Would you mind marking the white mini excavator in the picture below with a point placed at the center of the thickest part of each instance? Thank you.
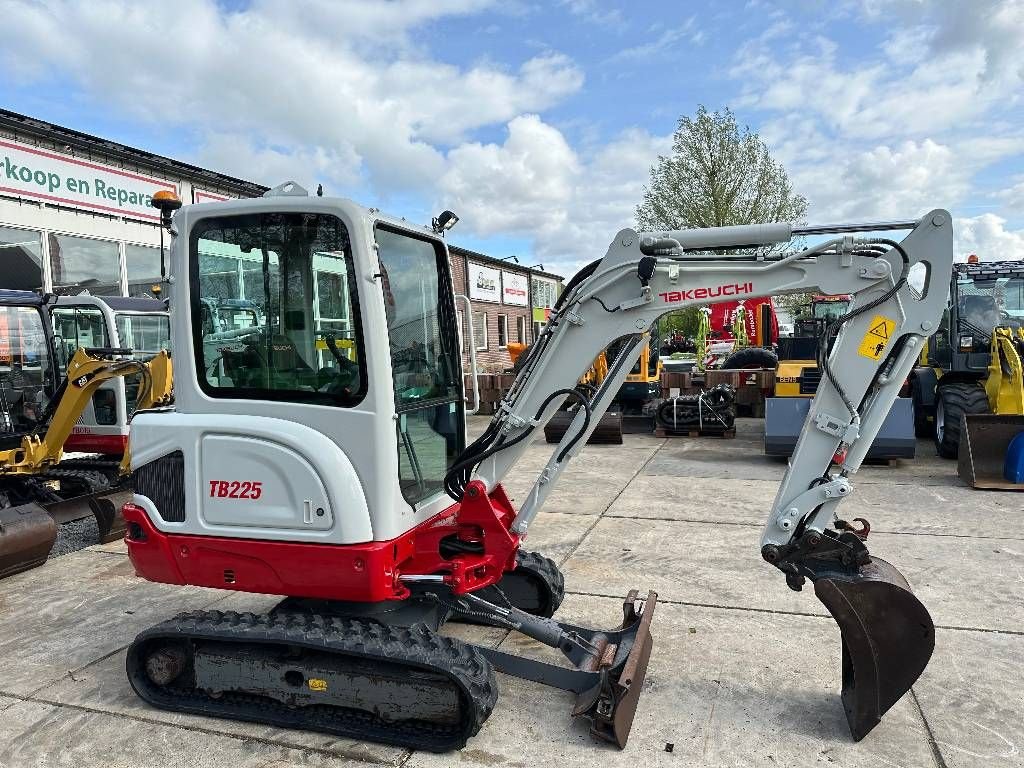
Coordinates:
(321, 456)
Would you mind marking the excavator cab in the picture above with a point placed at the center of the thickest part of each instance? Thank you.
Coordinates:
(28, 381)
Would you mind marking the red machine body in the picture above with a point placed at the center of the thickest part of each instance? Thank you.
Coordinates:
(723, 314)
(368, 572)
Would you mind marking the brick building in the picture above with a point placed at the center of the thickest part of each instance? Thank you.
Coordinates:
(502, 298)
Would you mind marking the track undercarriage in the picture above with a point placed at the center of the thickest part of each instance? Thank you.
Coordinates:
(384, 672)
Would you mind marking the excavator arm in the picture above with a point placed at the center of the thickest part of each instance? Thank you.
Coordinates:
(87, 370)
(898, 294)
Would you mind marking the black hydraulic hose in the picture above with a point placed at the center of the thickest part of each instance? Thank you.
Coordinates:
(836, 324)
(458, 476)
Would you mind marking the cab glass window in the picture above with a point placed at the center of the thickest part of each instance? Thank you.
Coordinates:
(275, 314)
(425, 361)
(25, 376)
(77, 328)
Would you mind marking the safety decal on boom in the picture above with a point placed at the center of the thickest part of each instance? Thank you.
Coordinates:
(877, 337)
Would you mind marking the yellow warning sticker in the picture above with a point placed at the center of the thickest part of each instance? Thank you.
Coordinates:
(877, 337)
(316, 684)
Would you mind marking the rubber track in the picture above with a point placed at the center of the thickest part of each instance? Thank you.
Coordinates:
(417, 647)
(548, 570)
(93, 481)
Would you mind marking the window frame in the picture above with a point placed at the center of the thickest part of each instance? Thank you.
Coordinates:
(121, 283)
(521, 329)
(502, 322)
(272, 395)
(483, 337)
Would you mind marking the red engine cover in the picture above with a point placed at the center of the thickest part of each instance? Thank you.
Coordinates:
(367, 572)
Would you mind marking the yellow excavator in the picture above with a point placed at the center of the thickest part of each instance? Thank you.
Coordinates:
(38, 414)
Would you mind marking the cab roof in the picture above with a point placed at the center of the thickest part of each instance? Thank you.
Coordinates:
(10, 298)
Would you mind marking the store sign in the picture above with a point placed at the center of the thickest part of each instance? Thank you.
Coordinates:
(484, 283)
(515, 289)
(42, 175)
(201, 196)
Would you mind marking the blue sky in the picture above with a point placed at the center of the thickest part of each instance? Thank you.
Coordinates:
(538, 121)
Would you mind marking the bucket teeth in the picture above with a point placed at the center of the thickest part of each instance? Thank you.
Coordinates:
(887, 639)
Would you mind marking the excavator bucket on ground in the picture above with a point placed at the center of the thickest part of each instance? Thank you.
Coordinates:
(27, 533)
(887, 635)
(984, 441)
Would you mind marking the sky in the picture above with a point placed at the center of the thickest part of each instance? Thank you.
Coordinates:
(538, 122)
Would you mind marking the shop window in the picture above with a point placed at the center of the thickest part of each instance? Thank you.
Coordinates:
(480, 331)
(142, 263)
(80, 264)
(21, 258)
(521, 330)
(502, 331)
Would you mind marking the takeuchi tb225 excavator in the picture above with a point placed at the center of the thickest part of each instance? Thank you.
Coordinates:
(325, 460)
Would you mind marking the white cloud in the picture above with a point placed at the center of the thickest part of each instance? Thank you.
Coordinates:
(987, 236)
(536, 186)
(323, 81)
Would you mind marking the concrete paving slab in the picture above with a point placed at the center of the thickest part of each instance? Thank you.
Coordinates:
(964, 582)
(33, 734)
(940, 510)
(117, 547)
(972, 698)
(720, 688)
(76, 609)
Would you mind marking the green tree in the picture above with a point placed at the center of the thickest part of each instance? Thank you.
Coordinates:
(717, 175)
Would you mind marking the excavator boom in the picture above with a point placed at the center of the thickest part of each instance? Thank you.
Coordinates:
(645, 275)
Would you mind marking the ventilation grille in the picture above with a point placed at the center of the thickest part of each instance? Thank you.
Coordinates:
(163, 482)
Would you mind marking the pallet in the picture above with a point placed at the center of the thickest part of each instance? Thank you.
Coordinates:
(664, 432)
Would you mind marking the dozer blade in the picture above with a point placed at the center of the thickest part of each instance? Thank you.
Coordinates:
(611, 705)
(607, 432)
(984, 440)
(27, 534)
(887, 634)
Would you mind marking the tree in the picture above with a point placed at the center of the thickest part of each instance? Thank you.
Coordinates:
(717, 175)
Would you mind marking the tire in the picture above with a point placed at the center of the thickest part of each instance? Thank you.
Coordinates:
(922, 426)
(951, 402)
(751, 357)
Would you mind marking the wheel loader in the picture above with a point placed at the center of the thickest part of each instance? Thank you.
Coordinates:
(970, 373)
(328, 480)
(39, 409)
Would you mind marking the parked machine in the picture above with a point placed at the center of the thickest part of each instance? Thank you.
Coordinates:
(360, 503)
(85, 321)
(798, 377)
(972, 367)
(38, 412)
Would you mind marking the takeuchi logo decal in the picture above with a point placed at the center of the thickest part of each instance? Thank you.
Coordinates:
(695, 294)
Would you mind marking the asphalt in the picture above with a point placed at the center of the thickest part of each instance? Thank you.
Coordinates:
(744, 671)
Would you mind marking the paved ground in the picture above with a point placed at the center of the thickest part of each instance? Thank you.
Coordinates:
(744, 671)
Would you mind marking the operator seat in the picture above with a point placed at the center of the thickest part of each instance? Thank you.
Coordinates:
(980, 311)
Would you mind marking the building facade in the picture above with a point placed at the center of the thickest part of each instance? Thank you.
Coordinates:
(75, 212)
(501, 297)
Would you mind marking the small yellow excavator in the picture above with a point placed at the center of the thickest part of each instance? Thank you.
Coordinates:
(37, 415)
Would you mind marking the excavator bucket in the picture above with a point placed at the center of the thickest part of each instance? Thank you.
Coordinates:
(984, 443)
(27, 533)
(107, 511)
(887, 635)
(608, 430)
